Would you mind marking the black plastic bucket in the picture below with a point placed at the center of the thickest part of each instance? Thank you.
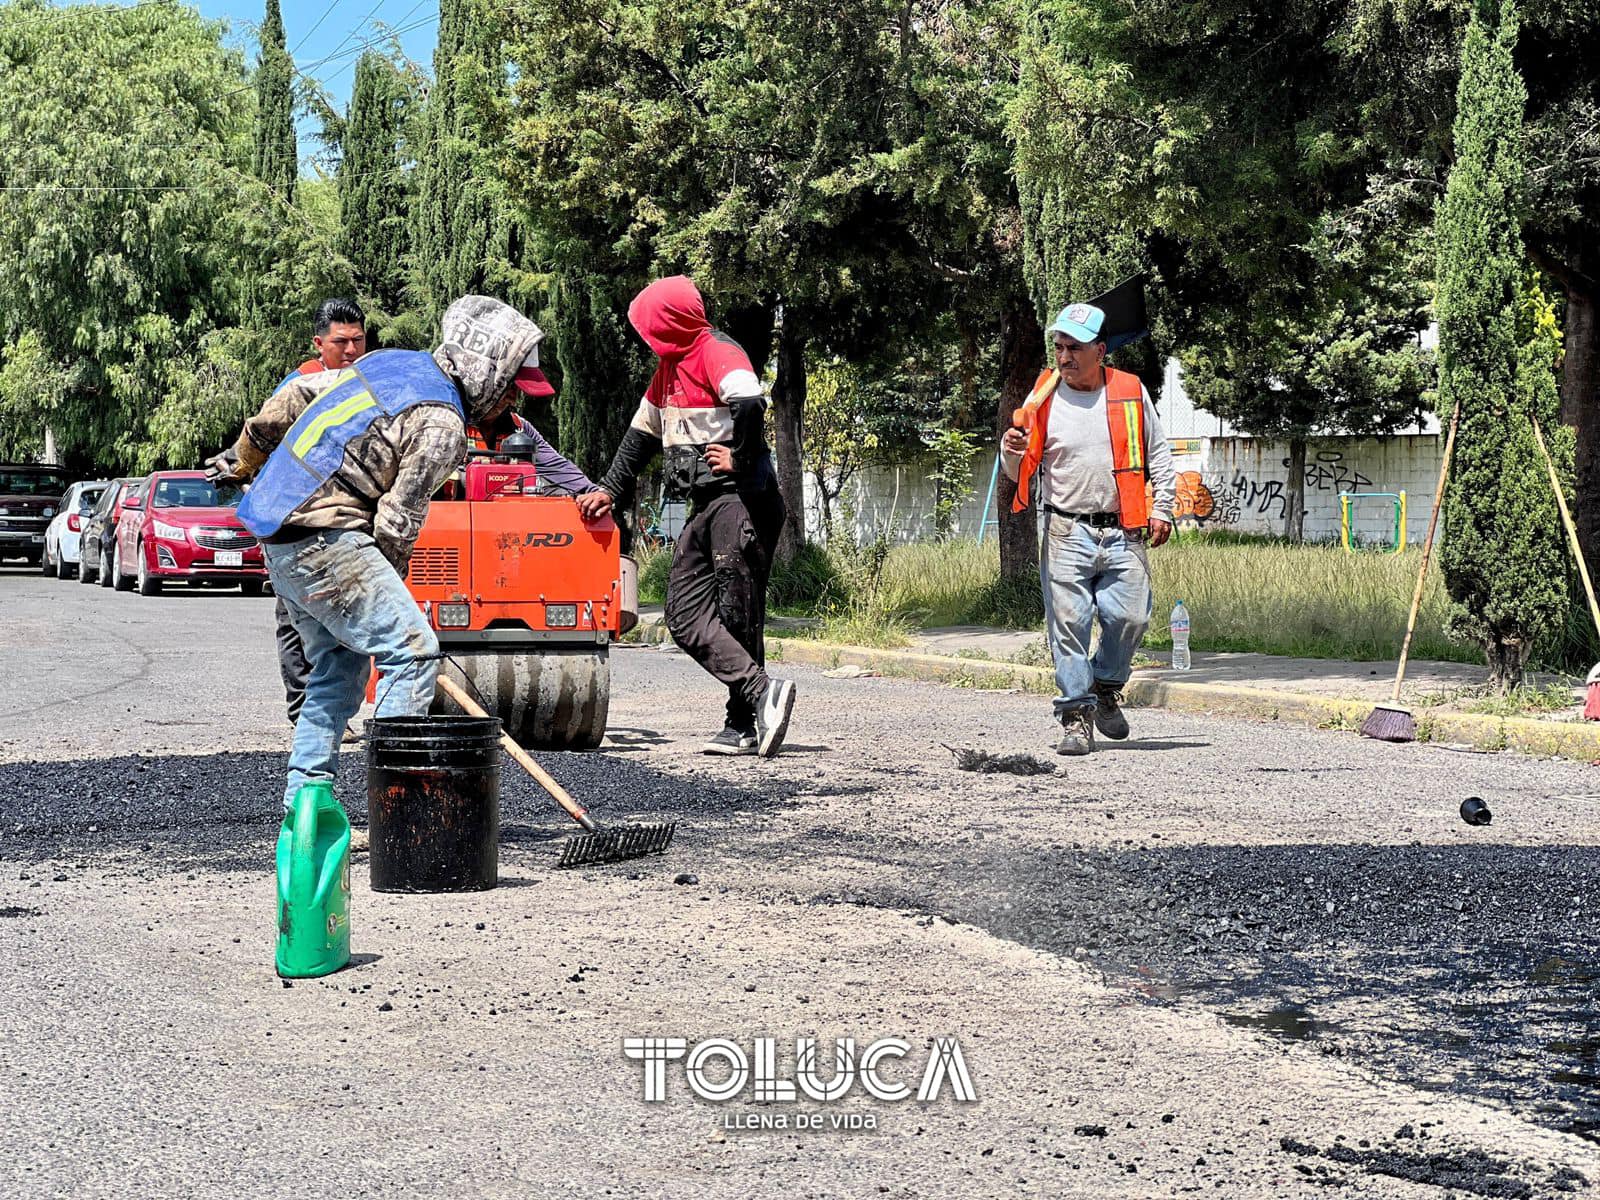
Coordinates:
(433, 803)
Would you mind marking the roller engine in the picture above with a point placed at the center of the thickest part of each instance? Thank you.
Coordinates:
(526, 598)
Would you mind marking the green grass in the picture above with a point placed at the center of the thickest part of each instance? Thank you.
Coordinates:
(1244, 594)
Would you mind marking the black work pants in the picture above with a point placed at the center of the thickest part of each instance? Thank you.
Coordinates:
(717, 593)
(292, 664)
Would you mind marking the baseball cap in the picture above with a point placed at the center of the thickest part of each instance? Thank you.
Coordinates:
(530, 379)
(1081, 321)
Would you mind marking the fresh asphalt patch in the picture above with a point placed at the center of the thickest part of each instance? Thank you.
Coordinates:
(1462, 969)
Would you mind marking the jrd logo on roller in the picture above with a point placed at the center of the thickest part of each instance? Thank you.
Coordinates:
(718, 1069)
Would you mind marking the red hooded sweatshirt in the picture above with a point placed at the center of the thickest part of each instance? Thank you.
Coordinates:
(704, 392)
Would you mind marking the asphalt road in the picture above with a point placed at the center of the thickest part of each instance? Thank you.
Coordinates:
(1227, 958)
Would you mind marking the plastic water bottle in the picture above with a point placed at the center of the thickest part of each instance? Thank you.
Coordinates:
(1180, 637)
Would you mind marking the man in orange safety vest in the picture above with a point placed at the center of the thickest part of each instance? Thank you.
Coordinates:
(1085, 444)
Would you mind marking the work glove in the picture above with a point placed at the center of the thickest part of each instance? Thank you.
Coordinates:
(223, 467)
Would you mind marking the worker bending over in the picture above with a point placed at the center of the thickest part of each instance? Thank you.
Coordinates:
(344, 464)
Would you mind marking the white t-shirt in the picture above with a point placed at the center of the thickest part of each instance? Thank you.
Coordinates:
(1075, 474)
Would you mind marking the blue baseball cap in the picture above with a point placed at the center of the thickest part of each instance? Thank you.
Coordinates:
(1081, 321)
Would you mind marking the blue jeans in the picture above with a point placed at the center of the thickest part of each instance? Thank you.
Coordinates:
(1087, 572)
(350, 608)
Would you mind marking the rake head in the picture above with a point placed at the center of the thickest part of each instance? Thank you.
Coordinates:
(616, 845)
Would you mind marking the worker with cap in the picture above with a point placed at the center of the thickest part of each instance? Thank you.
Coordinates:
(343, 466)
(339, 337)
(1088, 443)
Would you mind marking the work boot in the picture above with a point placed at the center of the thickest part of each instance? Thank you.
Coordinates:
(772, 716)
(1108, 716)
(1077, 733)
(732, 741)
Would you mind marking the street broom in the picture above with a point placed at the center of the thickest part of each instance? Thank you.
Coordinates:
(1392, 722)
(597, 845)
(1591, 699)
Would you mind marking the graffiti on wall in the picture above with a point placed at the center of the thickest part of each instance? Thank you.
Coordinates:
(1217, 500)
(1327, 472)
(1204, 501)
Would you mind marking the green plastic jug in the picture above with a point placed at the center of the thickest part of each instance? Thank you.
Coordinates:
(313, 885)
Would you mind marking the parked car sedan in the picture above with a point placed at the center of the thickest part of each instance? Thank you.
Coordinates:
(178, 525)
(64, 533)
(94, 540)
(29, 497)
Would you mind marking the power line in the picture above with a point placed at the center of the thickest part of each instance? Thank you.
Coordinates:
(326, 13)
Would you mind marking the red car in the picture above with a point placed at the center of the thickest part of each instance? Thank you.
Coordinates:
(178, 525)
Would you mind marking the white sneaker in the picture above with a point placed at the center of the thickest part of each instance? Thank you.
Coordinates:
(772, 716)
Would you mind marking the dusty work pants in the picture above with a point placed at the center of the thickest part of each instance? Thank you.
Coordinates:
(1088, 573)
(292, 664)
(351, 608)
(717, 593)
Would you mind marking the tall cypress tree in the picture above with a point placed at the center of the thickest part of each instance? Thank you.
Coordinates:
(1502, 556)
(464, 240)
(373, 213)
(277, 158)
(597, 364)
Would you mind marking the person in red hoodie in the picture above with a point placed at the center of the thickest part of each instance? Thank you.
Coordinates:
(703, 413)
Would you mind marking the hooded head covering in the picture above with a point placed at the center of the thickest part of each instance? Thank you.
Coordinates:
(695, 358)
(485, 343)
(670, 315)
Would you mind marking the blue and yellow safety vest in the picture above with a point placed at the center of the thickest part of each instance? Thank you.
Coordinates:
(382, 384)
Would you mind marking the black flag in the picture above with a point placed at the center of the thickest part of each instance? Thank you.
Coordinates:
(1126, 320)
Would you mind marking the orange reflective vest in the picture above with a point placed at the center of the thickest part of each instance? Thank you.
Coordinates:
(1125, 420)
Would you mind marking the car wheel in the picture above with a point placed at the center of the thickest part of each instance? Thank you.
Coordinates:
(149, 585)
(119, 581)
(46, 562)
(252, 587)
(86, 573)
(64, 569)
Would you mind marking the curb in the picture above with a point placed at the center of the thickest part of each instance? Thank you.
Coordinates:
(1541, 738)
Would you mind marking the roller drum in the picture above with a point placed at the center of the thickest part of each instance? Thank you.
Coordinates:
(551, 699)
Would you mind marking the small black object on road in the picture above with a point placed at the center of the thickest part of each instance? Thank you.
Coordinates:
(1475, 812)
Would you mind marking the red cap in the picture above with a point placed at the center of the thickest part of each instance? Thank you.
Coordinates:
(532, 381)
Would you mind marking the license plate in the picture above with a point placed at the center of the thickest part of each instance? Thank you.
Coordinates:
(230, 558)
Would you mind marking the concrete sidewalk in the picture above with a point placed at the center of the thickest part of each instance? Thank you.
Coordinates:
(1330, 693)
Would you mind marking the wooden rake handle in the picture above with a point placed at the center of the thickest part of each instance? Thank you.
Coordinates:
(524, 759)
(1566, 519)
(1427, 553)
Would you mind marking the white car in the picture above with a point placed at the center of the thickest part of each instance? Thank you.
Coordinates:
(61, 535)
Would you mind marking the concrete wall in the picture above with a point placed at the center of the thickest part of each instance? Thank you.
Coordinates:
(1236, 483)
(1241, 483)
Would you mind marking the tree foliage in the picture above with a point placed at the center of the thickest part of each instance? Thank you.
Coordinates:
(1502, 554)
(133, 238)
(277, 158)
(374, 195)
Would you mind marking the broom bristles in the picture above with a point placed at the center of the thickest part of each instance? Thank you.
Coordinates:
(616, 845)
(1390, 723)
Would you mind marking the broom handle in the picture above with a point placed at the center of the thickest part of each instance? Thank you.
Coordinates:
(1427, 553)
(524, 759)
(1566, 518)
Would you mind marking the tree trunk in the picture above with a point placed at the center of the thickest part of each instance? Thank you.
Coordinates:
(788, 412)
(1294, 506)
(1506, 658)
(1580, 408)
(1021, 358)
(751, 327)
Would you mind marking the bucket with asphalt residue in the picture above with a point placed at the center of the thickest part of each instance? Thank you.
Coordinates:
(433, 803)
